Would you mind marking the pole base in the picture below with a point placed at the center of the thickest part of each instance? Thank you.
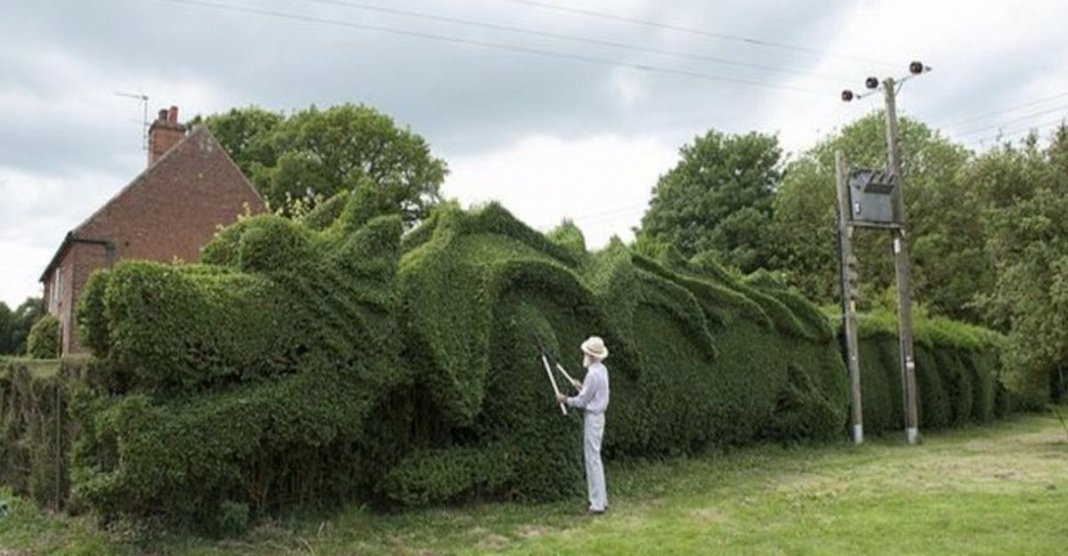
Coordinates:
(858, 434)
(913, 435)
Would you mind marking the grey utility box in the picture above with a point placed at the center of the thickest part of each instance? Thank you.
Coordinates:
(871, 196)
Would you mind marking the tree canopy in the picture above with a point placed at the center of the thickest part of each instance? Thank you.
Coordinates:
(15, 324)
(949, 264)
(1026, 193)
(988, 240)
(718, 198)
(312, 154)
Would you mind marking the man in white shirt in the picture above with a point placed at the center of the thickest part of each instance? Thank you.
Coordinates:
(593, 399)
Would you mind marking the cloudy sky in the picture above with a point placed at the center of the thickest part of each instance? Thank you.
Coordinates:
(556, 108)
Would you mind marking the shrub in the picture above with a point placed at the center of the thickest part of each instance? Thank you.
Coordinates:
(43, 341)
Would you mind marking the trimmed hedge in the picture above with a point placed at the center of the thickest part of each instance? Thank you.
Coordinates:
(481, 280)
(260, 381)
(957, 374)
(332, 358)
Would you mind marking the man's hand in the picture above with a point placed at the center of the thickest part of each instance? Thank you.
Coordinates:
(561, 399)
(576, 384)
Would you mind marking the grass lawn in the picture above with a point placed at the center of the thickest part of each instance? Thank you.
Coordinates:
(1001, 489)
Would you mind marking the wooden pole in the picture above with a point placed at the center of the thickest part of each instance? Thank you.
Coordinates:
(849, 317)
(901, 265)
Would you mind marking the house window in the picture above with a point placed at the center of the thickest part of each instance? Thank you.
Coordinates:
(57, 288)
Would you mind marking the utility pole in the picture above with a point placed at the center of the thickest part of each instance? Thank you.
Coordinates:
(867, 191)
(847, 264)
(901, 267)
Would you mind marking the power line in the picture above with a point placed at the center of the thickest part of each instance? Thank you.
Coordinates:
(694, 31)
(610, 215)
(1005, 134)
(486, 44)
(1013, 120)
(1003, 111)
(571, 38)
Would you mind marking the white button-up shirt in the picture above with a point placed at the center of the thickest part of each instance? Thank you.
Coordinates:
(593, 397)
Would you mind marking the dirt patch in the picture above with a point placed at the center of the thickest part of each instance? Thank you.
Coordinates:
(494, 542)
(710, 515)
(531, 531)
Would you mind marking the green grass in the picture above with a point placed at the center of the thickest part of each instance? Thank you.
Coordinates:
(1001, 489)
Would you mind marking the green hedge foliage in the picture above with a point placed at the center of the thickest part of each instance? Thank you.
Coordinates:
(43, 341)
(958, 374)
(261, 381)
(332, 358)
(36, 431)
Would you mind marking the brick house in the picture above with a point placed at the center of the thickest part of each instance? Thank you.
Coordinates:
(167, 213)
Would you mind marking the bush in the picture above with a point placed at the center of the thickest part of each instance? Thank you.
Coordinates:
(43, 341)
(233, 518)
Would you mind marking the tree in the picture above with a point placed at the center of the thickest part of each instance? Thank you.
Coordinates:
(245, 134)
(7, 327)
(1027, 193)
(15, 325)
(948, 261)
(717, 198)
(313, 154)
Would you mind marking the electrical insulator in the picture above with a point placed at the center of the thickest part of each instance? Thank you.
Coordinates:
(853, 277)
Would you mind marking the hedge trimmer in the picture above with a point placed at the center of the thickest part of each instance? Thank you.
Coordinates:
(545, 356)
(548, 371)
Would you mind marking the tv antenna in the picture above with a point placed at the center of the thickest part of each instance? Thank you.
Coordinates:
(143, 98)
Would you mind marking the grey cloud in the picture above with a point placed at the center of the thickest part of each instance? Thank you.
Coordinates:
(463, 97)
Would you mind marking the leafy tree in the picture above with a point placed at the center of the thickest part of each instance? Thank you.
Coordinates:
(1027, 193)
(7, 326)
(314, 154)
(949, 265)
(15, 325)
(245, 133)
(717, 198)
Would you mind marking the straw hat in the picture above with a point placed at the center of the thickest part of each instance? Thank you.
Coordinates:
(594, 347)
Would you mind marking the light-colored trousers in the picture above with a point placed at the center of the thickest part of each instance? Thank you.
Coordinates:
(593, 429)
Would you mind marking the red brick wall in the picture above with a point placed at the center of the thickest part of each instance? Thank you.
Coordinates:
(168, 212)
(176, 206)
(74, 268)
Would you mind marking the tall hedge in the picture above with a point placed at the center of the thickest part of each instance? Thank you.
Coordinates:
(479, 287)
(957, 373)
(332, 358)
(258, 381)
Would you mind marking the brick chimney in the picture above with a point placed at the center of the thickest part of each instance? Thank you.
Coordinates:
(164, 133)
